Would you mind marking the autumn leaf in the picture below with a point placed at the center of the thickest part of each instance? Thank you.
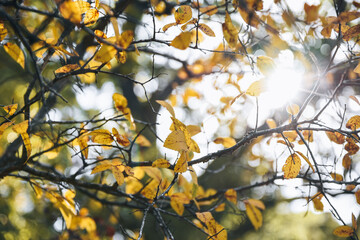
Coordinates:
(357, 196)
(15, 53)
(91, 16)
(306, 159)
(351, 147)
(225, 141)
(100, 34)
(21, 127)
(182, 41)
(183, 14)
(312, 12)
(206, 29)
(293, 109)
(101, 136)
(169, 25)
(143, 141)
(292, 166)
(215, 230)
(121, 139)
(231, 196)
(271, 123)
(352, 32)
(102, 167)
(126, 38)
(256, 88)
(254, 215)
(353, 123)
(11, 109)
(167, 106)
(67, 68)
(357, 68)
(71, 11)
(318, 205)
(266, 65)
(354, 221)
(335, 137)
(3, 31)
(181, 164)
(346, 162)
(105, 54)
(336, 176)
(4, 126)
(343, 231)
(209, 10)
(230, 32)
(161, 163)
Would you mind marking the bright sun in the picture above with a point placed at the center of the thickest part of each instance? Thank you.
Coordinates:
(282, 86)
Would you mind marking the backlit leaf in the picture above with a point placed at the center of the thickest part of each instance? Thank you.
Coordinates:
(353, 123)
(182, 41)
(101, 136)
(225, 141)
(336, 176)
(256, 88)
(11, 109)
(230, 32)
(231, 196)
(143, 141)
(176, 141)
(256, 203)
(209, 10)
(4, 126)
(102, 167)
(183, 14)
(346, 162)
(118, 175)
(105, 54)
(266, 65)
(177, 206)
(67, 68)
(100, 34)
(181, 164)
(343, 231)
(335, 137)
(254, 215)
(292, 166)
(206, 29)
(293, 109)
(352, 32)
(3, 31)
(169, 25)
(161, 163)
(120, 101)
(167, 106)
(71, 11)
(21, 127)
(126, 38)
(193, 129)
(91, 16)
(15, 53)
(27, 144)
(121, 139)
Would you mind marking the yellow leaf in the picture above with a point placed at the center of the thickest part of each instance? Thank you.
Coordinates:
(71, 11)
(256, 88)
(312, 12)
(176, 141)
(121, 139)
(193, 129)
(189, 92)
(231, 196)
(21, 127)
(348, 16)
(119, 176)
(254, 215)
(105, 54)
(306, 159)
(357, 68)
(15, 53)
(11, 109)
(161, 163)
(220, 208)
(67, 68)
(182, 41)
(346, 162)
(126, 38)
(101, 136)
(3, 31)
(183, 14)
(169, 25)
(91, 16)
(354, 222)
(256, 203)
(293, 109)
(335, 137)
(128, 116)
(230, 32)
(357, 196)
(181, 164)
(318, 205)
(209, 10)
(227, 142)
(352, 97)
(336, 177)
(351, 147)
(271, 123)
(343, 231)
(84, 146)
(352, 32)
(353, 123)
(26, 140)
(206, 29)
(177, 206)
(120, 101)
(143, 141)
(214, 230)
(292, 166)
(100, 34)
(167, 106)
(266, 65)
(102, 167)
(121, 57)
